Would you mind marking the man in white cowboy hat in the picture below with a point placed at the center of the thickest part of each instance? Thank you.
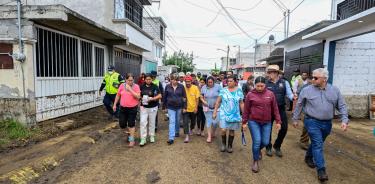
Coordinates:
(281, 89)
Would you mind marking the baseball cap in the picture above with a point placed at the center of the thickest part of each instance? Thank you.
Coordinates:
(188, 78)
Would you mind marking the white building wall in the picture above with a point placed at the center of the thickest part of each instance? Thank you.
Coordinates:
(354, 72)
(103, 15)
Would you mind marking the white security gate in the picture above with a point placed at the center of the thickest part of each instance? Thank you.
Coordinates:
(69, 71)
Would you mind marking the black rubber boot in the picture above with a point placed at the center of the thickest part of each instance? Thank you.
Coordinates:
(230, 143)
(223, 143)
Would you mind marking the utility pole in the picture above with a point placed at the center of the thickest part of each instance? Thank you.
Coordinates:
(227, 58)
(255, 51)
(287, 26)
(239, 53)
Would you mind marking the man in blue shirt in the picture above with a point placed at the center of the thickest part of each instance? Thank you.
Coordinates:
(281, 89)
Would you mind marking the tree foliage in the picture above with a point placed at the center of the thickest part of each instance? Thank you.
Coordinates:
(183, 60)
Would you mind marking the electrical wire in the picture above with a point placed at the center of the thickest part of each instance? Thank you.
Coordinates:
(234, 21)
(276, 24)
(213, 20)
(249, 9)
(214, 11)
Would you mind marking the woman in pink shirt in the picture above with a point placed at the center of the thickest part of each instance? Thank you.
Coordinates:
(128, 94)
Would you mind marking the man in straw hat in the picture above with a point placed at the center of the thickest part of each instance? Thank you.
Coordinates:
(281, 89)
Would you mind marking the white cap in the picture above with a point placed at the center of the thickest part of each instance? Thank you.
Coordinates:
(181, 74)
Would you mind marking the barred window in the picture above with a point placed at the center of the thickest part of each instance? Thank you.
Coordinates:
(56, 54)
(162, 33)
(99, 62)
(130, 9)
(86, 59)
(349, 8)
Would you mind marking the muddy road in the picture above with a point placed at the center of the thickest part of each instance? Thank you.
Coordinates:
(98, 153)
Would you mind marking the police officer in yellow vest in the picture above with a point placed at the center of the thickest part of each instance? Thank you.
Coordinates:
(295, 77)
(111, 83)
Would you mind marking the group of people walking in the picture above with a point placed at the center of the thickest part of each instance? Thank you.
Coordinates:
(219, 101)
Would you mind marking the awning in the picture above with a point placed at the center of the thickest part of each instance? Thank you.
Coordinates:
(364, 22)
(298, 36)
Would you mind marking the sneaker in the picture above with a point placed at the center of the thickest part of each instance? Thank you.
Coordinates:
(143, 142)
(223, 148)
(152, 139)
(170, 142)
(202, 134)
(269, 152)
(278, 152)
(322, 175)
(310, 162)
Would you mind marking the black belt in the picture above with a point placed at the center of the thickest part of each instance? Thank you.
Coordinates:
(310, 117)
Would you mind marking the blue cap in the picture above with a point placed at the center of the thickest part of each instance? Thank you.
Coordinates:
(110, 68)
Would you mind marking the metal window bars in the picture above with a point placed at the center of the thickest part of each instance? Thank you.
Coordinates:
(61, 55)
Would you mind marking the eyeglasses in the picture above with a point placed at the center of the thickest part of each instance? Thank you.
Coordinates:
(316, 78)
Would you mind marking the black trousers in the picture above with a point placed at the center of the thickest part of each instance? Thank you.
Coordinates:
(108, 101)
(284, 129)
(189, 118)
(201, 118)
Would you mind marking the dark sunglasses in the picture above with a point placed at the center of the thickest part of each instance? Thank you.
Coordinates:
(316, 78)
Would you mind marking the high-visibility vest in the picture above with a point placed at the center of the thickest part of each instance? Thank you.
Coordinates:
(156, 82)
(294, 78)
(112, 83)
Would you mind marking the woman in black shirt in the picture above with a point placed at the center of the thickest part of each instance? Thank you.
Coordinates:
(150, 96)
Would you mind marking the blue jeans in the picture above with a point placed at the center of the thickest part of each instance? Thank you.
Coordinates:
(174, 118)
(260, 134)
(318, 131)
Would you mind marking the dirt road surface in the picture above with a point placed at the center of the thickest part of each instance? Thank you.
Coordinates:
(98, 153)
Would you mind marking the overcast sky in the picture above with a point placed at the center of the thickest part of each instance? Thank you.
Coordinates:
(198, 26)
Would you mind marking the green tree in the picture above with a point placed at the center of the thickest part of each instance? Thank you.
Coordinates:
(183, 60)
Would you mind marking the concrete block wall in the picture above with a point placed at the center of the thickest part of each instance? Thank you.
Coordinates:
(354, 72)
(12, 102)
(152, 27)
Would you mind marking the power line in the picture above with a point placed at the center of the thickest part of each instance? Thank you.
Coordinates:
(172, 39)
(249, 9)
(214, 11)
(175, 44)
(297, 6)
(202, 42)
(234, 21)
(224, 35)
(281, 6)
(213, 20)
(276, 24)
